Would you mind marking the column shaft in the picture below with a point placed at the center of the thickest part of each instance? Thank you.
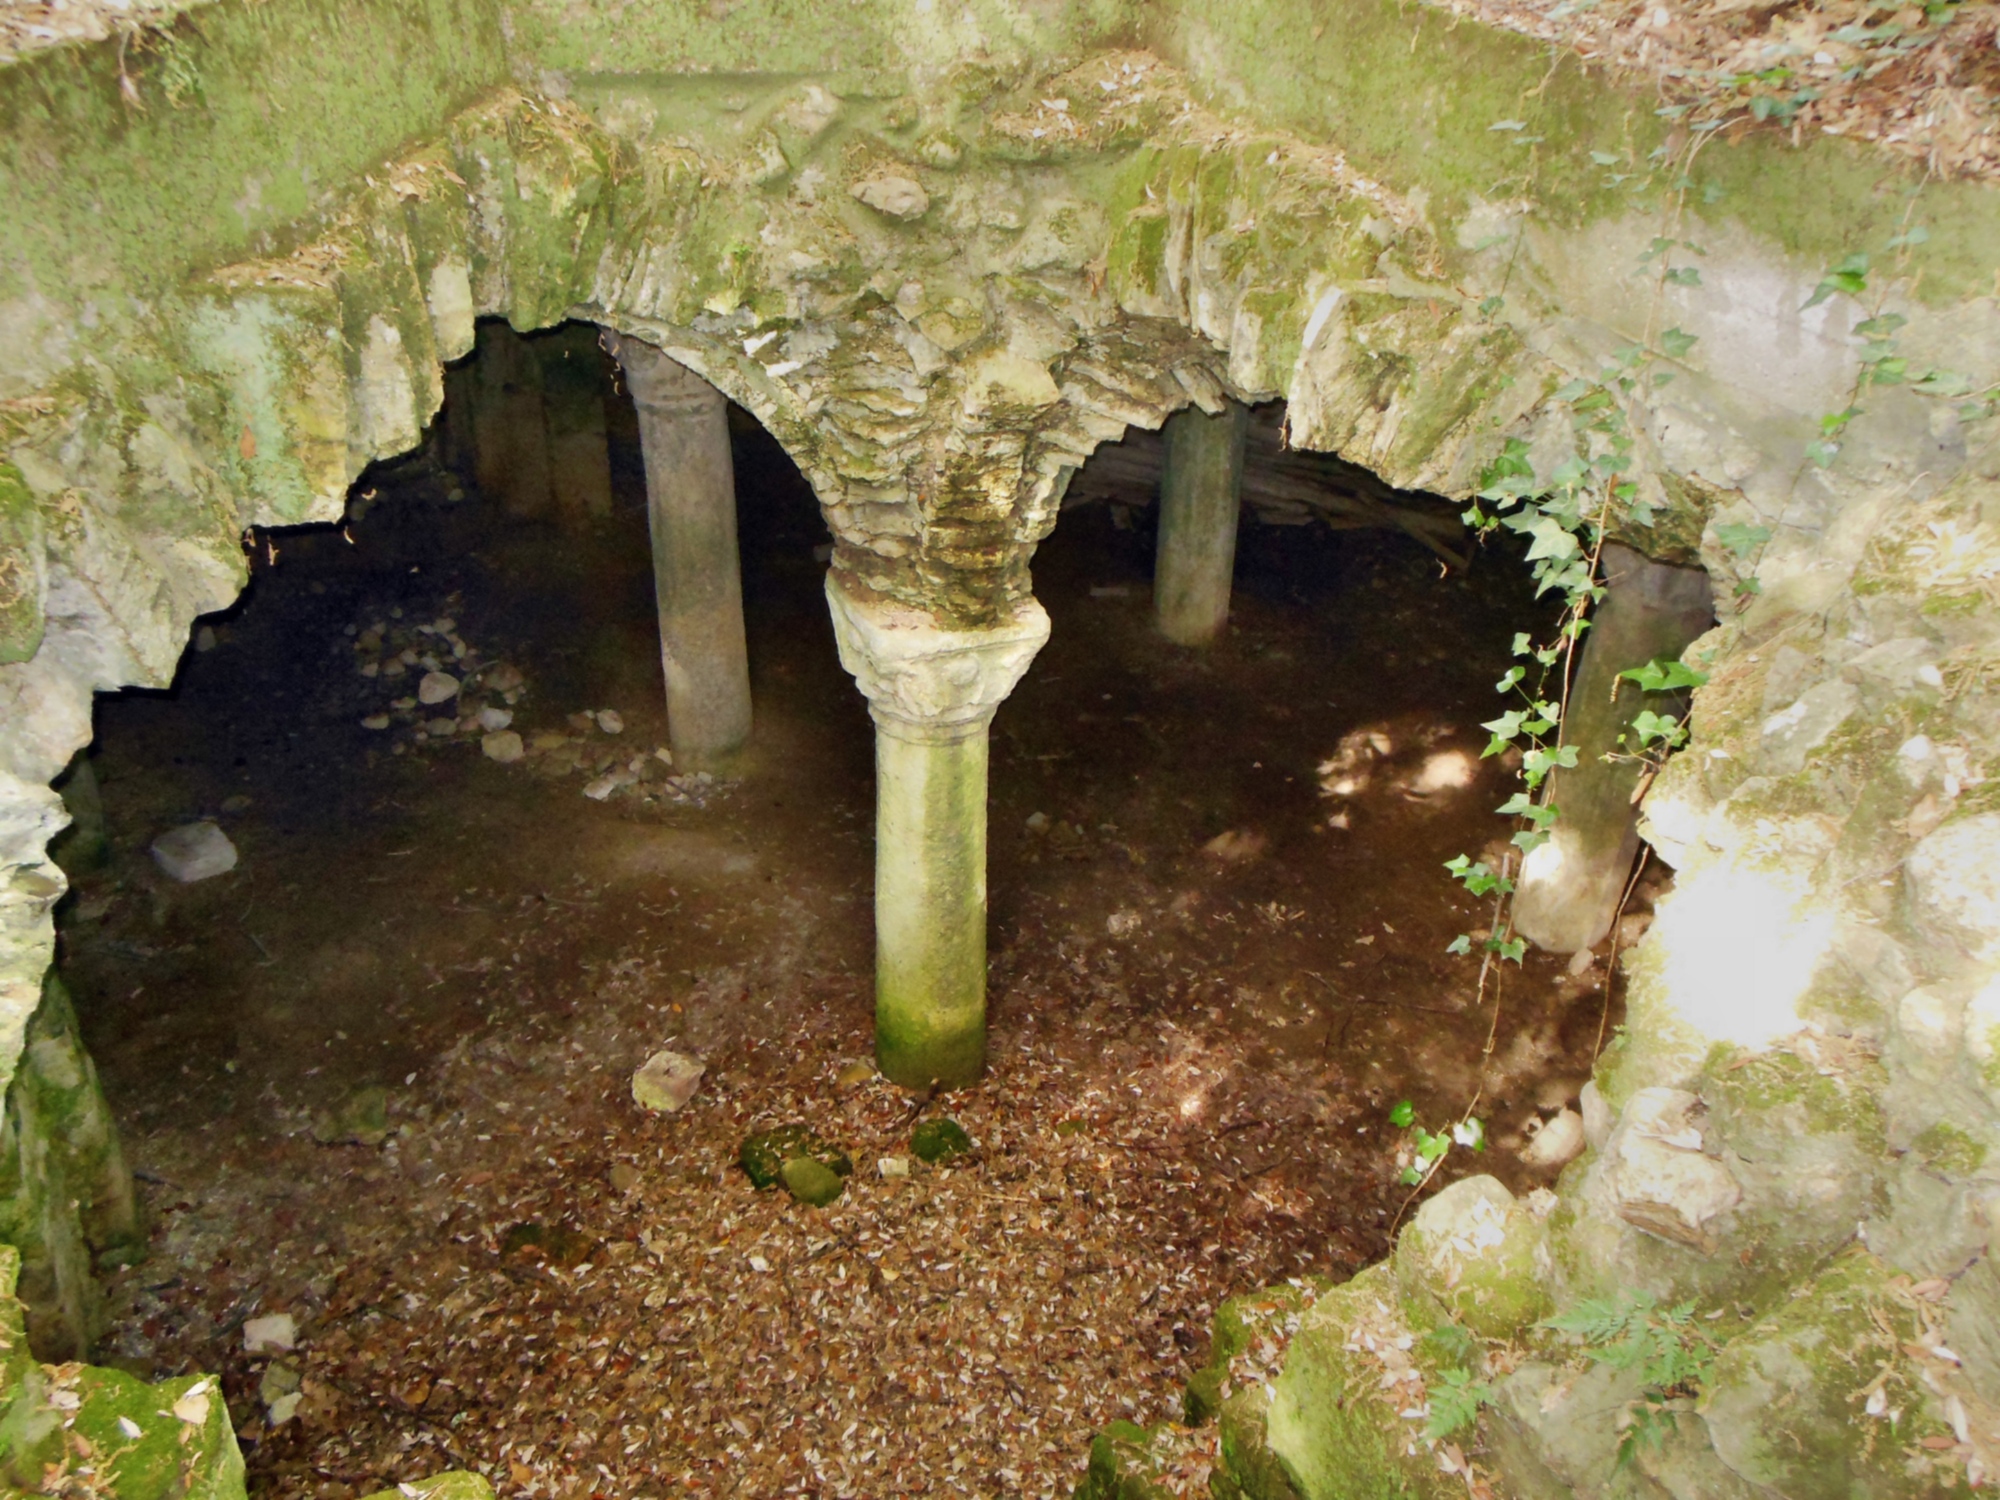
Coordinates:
(930, 907)
(1570, 886)
(1200, 494)
(697, 577)
(579, 452)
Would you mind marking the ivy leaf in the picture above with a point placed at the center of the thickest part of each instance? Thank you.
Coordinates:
(1684, 276)
(1460, 944)
(1491, 305)
(1850, 276)
(1822, 453)
(1665, 676)
(1604, 158)
(1403, 1114)
(1677, 342)
(1551, 539)
(1943, 383)
(1513, 676)
(1655, 728)
(1508, 125)
(1742, 539)
(1470, 1133)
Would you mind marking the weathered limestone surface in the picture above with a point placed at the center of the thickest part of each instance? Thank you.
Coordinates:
(942, 257)
(697, 575)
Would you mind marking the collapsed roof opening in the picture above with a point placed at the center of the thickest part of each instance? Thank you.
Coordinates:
(376, 1074)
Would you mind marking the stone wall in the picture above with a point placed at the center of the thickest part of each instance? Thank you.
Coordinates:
(943, 259)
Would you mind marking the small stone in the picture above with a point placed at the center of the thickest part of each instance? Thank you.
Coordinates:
(1123, 923)
(437, 687)
(600, 788)
(375, 721)
(939, 1140)
(444, 626)
(194, 851)
(664, 756)
(274, 1333)
(361, 1120)
(370, 668)
(809, 1182)
(762, 1156)
(394, 668)
(1038, 822)
(623, 1176)
(503, 677)
(893, 1166)
(280, 1380)
(236, 804)
(441, 729)
(610, 721)
(491, 718)
(853, 1075)
(502, 745)
(666, 1081)
(284, 1408)
(204, 638)
(1558, 1142)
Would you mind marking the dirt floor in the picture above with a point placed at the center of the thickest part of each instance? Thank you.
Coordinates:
(1212, 980)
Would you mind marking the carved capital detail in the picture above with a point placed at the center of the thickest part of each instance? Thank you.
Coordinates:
(925, 682)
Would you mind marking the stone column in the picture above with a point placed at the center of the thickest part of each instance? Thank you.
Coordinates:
(1201, 492)
(932, 692)
(1570, 886)
(573, 381)
(697, 579)
(509, 430)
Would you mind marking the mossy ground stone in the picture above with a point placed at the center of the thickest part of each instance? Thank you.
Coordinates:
(939, 1140)
(810, 1182)
(764, 1154)
(458, 1484)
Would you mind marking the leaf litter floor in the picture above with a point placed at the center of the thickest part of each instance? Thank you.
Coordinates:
(1205, 999)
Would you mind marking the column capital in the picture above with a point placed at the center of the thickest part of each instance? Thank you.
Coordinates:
(927, 683)
(660, 384)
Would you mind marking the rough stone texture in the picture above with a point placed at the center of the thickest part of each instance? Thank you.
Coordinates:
(66, 1197)
(1787, 1408)
(1471, 1254)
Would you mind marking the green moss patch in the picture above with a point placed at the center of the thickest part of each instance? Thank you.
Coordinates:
(764, 1154)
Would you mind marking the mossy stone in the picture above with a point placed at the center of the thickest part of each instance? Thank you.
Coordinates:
(1334, 1429)
(810, 1182)
(1470, 1256)
(764, 1154)
(1785, 1403)
(939, 1140)
(1122, 1466)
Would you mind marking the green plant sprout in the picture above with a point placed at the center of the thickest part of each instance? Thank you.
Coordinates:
(1431, 1146)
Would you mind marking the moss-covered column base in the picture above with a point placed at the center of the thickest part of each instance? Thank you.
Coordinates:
(1201, 493)
(1571, 885)
(933, 692)
(697, 578)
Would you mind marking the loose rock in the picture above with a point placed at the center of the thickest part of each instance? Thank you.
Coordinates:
(666, 1081)
(610, 721)
(274, 1333)
(939, 1140)
(810, 1182)
(437, 687)
(194, 851)
(763, 1155)
(504, 746)
(1557, 1142)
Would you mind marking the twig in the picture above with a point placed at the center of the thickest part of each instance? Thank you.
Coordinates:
(1611, 963)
